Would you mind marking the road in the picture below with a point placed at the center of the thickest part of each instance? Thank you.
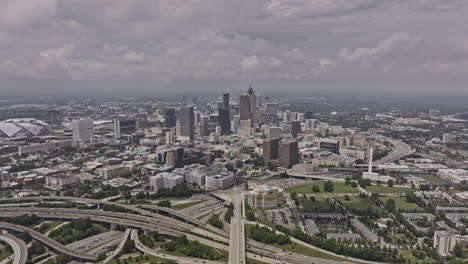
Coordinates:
(257, 250)
(49, 242)
(91, 242)
(400, 150)
(141, 247)
(119, 247)
(237, 234)
(20, 250)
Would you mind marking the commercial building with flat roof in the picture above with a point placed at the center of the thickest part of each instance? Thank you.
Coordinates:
(265, 196)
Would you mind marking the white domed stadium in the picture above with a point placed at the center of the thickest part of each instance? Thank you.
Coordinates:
(18, 127)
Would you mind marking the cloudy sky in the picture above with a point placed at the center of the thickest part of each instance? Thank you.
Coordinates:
(214, 45)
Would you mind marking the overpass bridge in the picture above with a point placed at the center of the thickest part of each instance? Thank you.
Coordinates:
(20, 250)
(49, 242)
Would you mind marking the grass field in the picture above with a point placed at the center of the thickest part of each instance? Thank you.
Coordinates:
(427, 177)
(254, 261)
(224, 254)
(151, 259)
(45, 227)
(340, 187)
(4, 254)
(386, 189)
(408, 256)
(401, 203)
(319, 206)
(186, 205)
(300, 249)
(356, 202)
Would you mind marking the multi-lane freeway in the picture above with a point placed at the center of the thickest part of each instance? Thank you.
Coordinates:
(49, 242)
(147, 220)
(237, 234)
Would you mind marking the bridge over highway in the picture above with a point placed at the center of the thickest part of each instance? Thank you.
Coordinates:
(20, 250)
(49, 242)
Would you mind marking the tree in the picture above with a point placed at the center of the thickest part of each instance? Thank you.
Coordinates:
(390, 183)
(101, 256)
(315, 188)
(250, 216)
(424, 187)
(328, 186)
(165, 203)
(128, 246)
(457, 251)
(346, 197)
(390, 205)
(348, 180)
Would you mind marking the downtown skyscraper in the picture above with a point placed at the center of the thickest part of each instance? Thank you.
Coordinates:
(248, 106)
(224, 120)
(187, 121)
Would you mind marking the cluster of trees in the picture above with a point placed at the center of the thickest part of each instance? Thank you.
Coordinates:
(408, 225)
(250, 215)
(267, 236)
(191, 248)
(80, 190)
(366, 252)
(229, 213)
(215, 221)
(150, 239)
(24, 220)
(106, 191)
(328, 186)
(78, 229)
(60, 259)
(128, 247)
(37, 248)
(165, 203)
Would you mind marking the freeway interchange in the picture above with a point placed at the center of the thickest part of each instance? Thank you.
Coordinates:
(166, 221)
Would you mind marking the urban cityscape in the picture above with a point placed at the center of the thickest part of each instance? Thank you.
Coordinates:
(245, 179)
(233, 131)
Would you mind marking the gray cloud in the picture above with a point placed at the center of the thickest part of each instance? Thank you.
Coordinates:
(216, 41)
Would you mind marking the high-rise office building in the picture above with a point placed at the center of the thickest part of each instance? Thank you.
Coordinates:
(248, 106)
(226, 100)
(289, 153)
(124, 126)
(55, 117)
(295, 128)
(186, 122)
(204, 126)
(170, 117)
(271, 149)
(195, 100)
(170, 159)
(224, 120)
(83, 130)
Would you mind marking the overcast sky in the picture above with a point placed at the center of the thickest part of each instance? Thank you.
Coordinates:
(223, 45)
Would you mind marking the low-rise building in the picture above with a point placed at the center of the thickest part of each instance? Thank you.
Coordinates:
(455, 176)
(59, 181)
(221, 180)
(364, 231)
(112, 171)
(165, 180)
(265, 196)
